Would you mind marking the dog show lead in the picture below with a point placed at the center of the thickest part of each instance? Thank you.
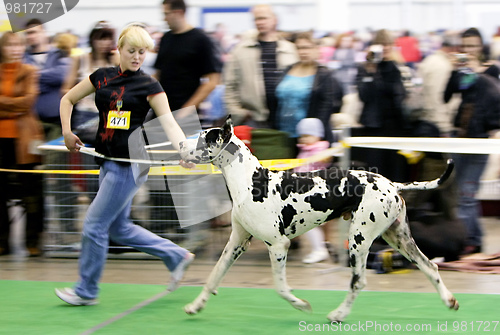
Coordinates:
(123, 94)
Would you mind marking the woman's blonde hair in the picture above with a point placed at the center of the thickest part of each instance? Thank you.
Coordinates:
(137, 36)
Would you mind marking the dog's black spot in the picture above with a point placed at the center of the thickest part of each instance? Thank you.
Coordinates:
(294, 200)
(260, 184)
(372, 217)
(288, 212)
(375, 187)
(302, 220)
(318, 202)
(359, 238)
(269, 244)
(297, 183)
(212, 136)
(363, 223)
(352, 260)
(281, 227)
(397, 198)
(354, 280)
(386, 214)
(381, 199)
(370, 178)
(281, 259)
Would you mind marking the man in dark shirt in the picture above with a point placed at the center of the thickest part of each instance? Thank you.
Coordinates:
(186, 65)
(188, 71)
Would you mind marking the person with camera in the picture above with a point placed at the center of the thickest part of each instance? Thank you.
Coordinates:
(477, 116)
(381, 90)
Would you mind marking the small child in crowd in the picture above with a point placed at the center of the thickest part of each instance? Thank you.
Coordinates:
(311, 131)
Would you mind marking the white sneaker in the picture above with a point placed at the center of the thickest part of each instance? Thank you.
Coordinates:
(316, 256)
(68, 295)
(178, 273)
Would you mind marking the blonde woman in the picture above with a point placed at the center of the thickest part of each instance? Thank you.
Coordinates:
(128, 88)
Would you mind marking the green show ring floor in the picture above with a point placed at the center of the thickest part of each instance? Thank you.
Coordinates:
(31, 307)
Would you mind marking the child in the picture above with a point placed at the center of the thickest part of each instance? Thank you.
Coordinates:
(310, 132)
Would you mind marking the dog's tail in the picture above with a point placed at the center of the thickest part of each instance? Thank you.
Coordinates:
(428, 185)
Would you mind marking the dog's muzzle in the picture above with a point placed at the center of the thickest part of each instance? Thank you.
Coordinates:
(187, 151)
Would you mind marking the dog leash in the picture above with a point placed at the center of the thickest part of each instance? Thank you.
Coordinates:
(92, 152)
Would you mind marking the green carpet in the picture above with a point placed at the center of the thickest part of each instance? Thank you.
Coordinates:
(32, 308)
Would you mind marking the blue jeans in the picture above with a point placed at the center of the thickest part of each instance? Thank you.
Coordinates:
(108, 216)
(469, 169)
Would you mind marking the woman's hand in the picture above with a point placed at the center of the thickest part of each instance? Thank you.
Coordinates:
(72, 142)
(187, 165)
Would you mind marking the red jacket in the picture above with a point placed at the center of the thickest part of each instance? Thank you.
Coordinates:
(409, 48)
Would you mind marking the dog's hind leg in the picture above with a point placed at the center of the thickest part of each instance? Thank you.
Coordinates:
(360, 240)
(237, 245)
(399, 237)
(277, 253)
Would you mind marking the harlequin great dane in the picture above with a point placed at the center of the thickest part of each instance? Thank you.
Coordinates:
(275, 206)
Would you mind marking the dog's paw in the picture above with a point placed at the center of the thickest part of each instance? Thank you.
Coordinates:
(337, 315)
(192, 309)
(302, 305)
(453, 303)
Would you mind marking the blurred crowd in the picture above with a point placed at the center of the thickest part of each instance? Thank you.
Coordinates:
(377, 83)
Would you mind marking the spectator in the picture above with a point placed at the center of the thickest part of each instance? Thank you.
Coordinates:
(435, 71)
(409, 49)
(311, 132)
(53, 65)
(186, 65)
(149, 63)
(188, 70)
(326, 49)
(20, 132)
(252, 71)
(382, 93)
(102, 54)
(344, 62)
(307, 89)
(478, 114)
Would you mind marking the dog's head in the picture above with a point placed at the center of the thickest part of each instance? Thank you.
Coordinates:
(208, 145)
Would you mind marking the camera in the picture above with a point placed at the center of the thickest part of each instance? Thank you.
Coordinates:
(461, 59)
(375, 53)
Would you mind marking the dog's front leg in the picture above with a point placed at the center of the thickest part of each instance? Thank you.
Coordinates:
(237, 245)
(278, 253)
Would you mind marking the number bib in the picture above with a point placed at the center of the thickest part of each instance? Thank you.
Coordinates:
(118, 120)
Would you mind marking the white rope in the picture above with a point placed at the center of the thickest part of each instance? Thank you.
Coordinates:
(428, 144)
(423, 144)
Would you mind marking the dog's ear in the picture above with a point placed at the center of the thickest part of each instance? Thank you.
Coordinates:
(227, 129)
